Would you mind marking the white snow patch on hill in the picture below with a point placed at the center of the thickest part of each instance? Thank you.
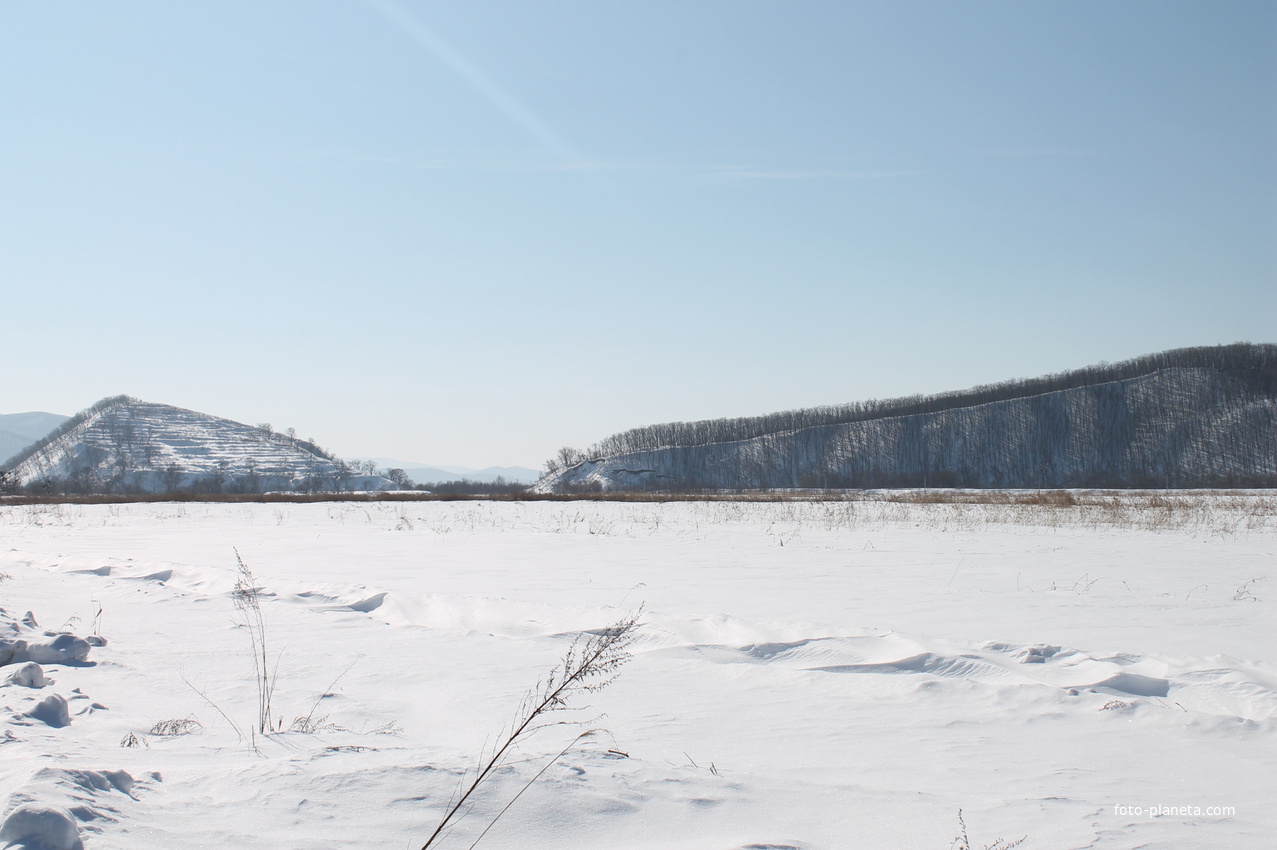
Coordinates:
(126, 444)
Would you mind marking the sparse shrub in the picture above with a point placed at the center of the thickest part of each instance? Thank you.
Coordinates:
(173, 728)
(132, 741)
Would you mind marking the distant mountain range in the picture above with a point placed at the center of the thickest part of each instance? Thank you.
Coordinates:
(1193, 417)
(125, 445)
(424, 473)
(19, 430)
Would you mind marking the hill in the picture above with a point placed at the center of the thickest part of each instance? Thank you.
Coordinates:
(1192, 417)
(125, 445)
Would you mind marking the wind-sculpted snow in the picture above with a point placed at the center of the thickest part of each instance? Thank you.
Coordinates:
(32, 700)
(23, 640)
(815, 675)
(34, 825)
(91, 802)
(1177, 420)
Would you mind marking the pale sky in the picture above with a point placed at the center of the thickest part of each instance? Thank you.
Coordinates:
(473, 232)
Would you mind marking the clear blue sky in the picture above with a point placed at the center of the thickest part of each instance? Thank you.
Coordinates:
(474, 232)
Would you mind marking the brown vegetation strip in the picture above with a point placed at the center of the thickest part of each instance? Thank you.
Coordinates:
(1042, 498)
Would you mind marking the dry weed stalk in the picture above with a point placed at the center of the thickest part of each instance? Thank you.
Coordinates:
(961, 842)
(1244, 594)
(308, 722)
(248, 603)
(216, 707)
(589, 665)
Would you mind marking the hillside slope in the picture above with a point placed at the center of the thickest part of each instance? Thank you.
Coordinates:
(123, 445)
(1184, 418)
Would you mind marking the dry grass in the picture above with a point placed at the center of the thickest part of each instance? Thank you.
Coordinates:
(310, 725)
(1224, 513)
(1244, 592)
(962, 842)
(1058, 498)
(173, 728)
(132, 741)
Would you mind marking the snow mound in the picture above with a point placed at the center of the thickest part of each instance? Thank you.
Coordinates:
(29, 675)
(57, 804)
(52, 711)
(21, 641)
(37, 826)
(164, 573)
(441, 611)
(61, 648)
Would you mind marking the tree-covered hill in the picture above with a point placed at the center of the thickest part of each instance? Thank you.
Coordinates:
(1192, 417)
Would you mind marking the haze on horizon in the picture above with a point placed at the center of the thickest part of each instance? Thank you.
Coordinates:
(471, 234)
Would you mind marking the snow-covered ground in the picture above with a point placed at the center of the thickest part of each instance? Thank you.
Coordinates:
(806, 675)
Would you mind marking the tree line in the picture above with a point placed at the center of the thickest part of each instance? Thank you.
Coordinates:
(1249, 370)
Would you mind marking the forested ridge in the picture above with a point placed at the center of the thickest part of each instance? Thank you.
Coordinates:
(1188, 417)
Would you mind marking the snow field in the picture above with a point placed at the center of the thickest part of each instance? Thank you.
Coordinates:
(807, 675)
